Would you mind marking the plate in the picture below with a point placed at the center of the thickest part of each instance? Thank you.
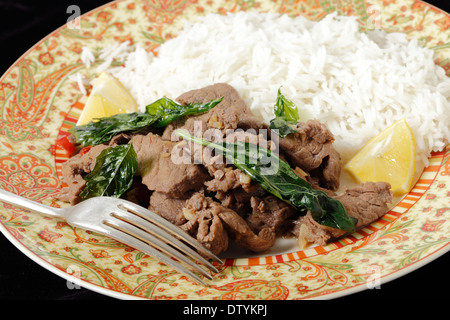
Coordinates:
(39, 102)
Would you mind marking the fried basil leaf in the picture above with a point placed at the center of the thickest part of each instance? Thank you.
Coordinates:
(158, 114)
(286, 116)
(113, 172)
(103, 129)
(167, 110)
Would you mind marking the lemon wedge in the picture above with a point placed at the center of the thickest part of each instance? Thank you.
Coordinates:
(390, 156)
(108, 97)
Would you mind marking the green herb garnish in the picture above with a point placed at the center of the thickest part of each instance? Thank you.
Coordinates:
(286, 116)
(258, 162)
(166, 110)
(113, 172)
(97, 132)
(158, 114)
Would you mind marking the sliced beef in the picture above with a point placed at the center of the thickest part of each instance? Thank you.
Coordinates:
(228, 200)
(311, 149)
(228, 179)
(230, 113)
(269, 213)
(205, 211)
(316, 233)
(243, 235)
(232, 104)
(169, 208)
(204, 223)
(73, 172)
(160, 173)
(366, 203)
(238, 199)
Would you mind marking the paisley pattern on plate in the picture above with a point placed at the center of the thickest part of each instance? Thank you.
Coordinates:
(39, 103)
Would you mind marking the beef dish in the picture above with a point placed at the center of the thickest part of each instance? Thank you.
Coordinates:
(216, 202)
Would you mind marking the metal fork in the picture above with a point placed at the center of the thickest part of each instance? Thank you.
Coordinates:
(134, 226)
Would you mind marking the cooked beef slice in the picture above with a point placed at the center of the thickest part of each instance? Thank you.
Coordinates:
(311, 149)
(213, 162)
(316, 233)
(269, 213)
(243, 236)
(204, 208)
(252, 136)
(232, 104)
(204, 223)
(230, 113)
(160, 173)
(228, 200)
(228, 179)
(73, 172)
(238, 199)
(169, 208)
(367, 203)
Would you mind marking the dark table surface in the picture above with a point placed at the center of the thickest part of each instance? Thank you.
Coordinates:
(26, 22)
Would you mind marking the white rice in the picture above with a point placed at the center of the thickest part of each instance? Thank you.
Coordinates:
(357, 83)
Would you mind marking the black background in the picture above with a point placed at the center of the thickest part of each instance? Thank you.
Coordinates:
(22, 24)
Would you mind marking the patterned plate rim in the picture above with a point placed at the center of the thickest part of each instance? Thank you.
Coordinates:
(437, 159)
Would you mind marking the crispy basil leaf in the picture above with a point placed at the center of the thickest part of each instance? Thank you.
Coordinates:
(286, 116)
(254, 160)
(103, 129)
(159, 114)
(113, 172)
(167, 110)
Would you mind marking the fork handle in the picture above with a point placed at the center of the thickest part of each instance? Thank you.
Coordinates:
(15, 199)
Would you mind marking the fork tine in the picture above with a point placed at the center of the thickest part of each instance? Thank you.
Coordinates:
(163, 223)
(132, 236)
(163, 235)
